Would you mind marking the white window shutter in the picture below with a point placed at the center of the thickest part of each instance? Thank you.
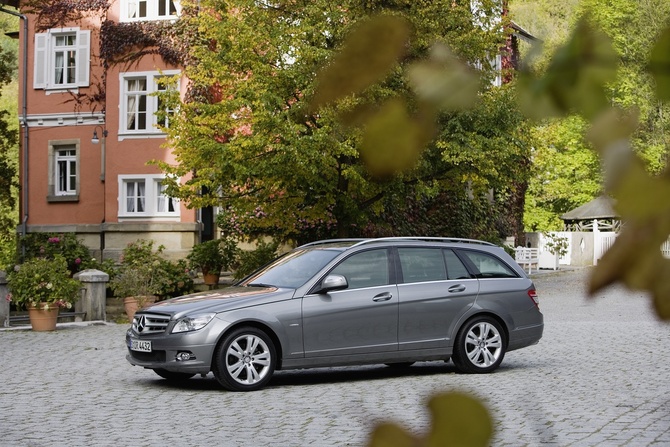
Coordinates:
(40, 64)
(83, 58)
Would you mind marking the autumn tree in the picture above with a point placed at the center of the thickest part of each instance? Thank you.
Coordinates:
(249, 138)
(8, 143)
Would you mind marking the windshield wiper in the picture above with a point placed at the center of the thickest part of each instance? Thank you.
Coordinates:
(259, 284)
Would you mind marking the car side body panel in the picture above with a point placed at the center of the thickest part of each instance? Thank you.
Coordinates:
(427, 308)
(350, 322)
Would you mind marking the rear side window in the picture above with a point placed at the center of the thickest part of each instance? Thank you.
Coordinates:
(455, 267)
(422, 264)
(488, 266)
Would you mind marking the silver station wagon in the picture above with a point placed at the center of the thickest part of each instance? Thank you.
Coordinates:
(340, 302)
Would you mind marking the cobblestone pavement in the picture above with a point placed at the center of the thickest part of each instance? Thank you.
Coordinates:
(598, 377)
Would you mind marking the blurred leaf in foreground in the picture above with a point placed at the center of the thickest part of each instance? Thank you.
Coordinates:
(458, 420)
(576, 78)
(444, 81)
(368, 54)
(659, 65)
(392, 140)
(642, 203)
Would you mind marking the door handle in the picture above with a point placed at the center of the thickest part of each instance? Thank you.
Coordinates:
(457, 288)
(382, 297)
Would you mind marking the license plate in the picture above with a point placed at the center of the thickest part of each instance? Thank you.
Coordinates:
(140, 345)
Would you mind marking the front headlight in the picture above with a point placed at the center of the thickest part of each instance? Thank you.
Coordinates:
(193, 323)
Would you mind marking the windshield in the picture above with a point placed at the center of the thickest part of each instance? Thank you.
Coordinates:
(293, 269)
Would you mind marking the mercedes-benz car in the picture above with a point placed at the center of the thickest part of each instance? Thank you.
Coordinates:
(392, 301)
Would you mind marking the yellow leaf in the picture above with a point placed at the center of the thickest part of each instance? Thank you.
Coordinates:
(392, 141)
(459, 421)
(576, 78)
(368, 55)
(444, 81)
(659, 65)
(390, 435)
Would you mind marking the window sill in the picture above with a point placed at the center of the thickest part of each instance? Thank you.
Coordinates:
(58, 199)
(142, 135)
(62, 89)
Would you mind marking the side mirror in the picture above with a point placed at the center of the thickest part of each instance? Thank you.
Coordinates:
(333, 282)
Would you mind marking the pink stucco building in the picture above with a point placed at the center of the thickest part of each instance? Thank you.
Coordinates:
(89, 128)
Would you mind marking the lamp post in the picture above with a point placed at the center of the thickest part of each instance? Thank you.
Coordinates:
(96, 140)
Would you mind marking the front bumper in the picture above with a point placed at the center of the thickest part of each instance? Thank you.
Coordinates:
(165, 347)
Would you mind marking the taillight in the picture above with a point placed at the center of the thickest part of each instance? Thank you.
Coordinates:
(532, 294)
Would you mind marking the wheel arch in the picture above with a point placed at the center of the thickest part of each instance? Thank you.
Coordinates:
(257, 325)
(469, 318)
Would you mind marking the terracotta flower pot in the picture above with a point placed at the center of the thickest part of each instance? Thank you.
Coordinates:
(42, 319)
(211, 279)
(133, 303)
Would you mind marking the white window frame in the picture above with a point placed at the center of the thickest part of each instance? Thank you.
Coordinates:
(46, 49)
(55, 193)
(148, 10)
(152, 195)
(128, 108)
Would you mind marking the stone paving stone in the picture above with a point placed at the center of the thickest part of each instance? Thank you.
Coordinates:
(597, 378)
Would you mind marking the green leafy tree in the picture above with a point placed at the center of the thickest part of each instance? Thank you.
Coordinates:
(257, 137)
(566, 170)
(8, 141)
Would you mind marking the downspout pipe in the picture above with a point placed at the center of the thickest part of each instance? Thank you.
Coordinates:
(24, 118)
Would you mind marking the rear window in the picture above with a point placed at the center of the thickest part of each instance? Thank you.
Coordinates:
(488, 266)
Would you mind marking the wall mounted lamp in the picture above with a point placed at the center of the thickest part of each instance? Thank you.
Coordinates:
(96, 140)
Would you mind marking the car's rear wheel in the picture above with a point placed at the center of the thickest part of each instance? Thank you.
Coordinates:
(245, 360)
(172, 376)
(480, 346)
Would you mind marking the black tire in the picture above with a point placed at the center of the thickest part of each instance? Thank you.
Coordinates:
(245, 360)
(174, 377)
(400, 365)
(480, 346)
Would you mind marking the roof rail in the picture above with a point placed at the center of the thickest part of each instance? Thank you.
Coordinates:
(419, 238)
(331, 241)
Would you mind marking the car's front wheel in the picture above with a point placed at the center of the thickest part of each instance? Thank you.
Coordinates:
(480, 346)
(245, 360)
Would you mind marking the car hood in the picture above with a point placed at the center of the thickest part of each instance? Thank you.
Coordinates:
(220, 300)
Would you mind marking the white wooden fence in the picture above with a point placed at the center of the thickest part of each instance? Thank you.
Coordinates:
(603, 241)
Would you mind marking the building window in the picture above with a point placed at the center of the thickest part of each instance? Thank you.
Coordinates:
(144, 110)
(139, 10)
(62, 59)
(144, 196)
(66, 172)
(63, 171)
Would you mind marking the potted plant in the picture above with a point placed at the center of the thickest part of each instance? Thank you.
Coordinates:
(557, 246)
(137, 284)
(213, 256)
(43, 286)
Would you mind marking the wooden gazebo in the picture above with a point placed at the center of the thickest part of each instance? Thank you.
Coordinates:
(597, 214)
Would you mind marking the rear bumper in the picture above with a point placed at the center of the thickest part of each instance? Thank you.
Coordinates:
(525, 336)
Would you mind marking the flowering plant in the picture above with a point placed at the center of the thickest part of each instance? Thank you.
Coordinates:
(48, 245)
(41, 280)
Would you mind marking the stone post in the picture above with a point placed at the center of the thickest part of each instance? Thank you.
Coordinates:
(94, 296)
(4, 304)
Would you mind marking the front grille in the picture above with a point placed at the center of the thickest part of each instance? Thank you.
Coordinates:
(147, 323)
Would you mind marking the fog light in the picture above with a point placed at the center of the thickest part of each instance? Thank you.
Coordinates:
(184, 355)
